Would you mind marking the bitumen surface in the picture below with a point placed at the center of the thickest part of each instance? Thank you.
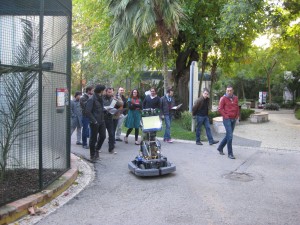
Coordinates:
(261, 186)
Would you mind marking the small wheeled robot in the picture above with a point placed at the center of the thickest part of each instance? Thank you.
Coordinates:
(150, 161)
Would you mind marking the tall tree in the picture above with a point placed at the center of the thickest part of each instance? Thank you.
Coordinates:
(133, 20)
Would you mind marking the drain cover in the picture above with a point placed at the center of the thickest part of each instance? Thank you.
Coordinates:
(244, 177)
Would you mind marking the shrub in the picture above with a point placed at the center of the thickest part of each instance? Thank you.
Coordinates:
(186, 120)
(272, 106)
(245, 113)
(277, 99)
(297, 114)
(288, 105)
(213, 114)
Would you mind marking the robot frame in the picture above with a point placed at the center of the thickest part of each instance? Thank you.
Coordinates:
(150, 161)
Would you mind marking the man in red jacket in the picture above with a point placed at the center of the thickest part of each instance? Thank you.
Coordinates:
(229, 109)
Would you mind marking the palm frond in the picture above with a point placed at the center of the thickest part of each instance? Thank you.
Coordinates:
(17, 105)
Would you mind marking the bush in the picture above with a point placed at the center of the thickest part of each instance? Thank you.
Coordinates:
(272, 106)
(288, 105)
(297, 114)
(245, 113)
(277, 99)
(213, 114)
(186, 120)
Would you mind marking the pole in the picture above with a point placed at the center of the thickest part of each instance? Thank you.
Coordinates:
(192, 69)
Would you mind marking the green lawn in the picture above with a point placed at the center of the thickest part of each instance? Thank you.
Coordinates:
(178, 132)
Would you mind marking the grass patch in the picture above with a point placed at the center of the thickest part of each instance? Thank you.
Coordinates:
(297, 114)
(177, 132)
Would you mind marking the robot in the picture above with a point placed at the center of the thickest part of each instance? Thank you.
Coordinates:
(150, 161)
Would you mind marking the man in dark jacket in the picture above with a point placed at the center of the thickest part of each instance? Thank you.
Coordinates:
(89, 90)
(95, 112)
(229, 109)
(200, 110)
(108, 118)
(151, 101)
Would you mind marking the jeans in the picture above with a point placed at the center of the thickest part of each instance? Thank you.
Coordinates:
(203, 120)
(98, 135)
(168, 121)
(119, 126)
(111, 136)
(229, 125)
(85, 130)
(78, 132)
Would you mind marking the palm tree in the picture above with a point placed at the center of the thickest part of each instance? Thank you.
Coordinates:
(134, 19)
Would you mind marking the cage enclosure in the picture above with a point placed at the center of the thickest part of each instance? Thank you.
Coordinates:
(35, 61)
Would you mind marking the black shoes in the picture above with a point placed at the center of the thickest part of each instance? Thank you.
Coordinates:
(119, 139)
(199, 143)
(85, 146)
(214, 142)
(231, 157)
(220, 152)
(78, 143)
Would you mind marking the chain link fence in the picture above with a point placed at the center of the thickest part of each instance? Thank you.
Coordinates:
(35, 62)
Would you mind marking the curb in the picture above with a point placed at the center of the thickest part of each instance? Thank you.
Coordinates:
(19, 208)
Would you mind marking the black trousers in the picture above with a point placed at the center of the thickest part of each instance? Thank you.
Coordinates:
(115, 124)
(111, 135)
(98, 135)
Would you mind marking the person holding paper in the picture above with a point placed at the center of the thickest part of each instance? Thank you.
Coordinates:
(118, 130)
(166, 105)
(109, 104)
(200, 110)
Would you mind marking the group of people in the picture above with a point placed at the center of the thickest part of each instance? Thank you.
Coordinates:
(99, 110)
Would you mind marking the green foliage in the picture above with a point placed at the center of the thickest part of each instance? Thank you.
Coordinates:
(272, 106)
(213, 114)
(245, 113)
(297, 114)
(277, 99)
(288, 105)
(186, 120)
(19, 90)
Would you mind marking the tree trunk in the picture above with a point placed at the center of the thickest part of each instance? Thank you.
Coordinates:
(165, 65)
(213, 78)
(203, 67)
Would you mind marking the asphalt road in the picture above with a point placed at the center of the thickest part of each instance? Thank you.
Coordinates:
(261, 186)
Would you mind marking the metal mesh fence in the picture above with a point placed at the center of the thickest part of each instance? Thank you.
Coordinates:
(34, 83)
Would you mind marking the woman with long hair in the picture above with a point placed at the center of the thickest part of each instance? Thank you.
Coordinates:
(134, 115)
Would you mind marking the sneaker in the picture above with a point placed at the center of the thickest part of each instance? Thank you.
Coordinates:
(231, 157)
(199, 143)
(119, 139)
(78, 143)
(126, 140)
(85, 146)
(137, 143)
(170, 140)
